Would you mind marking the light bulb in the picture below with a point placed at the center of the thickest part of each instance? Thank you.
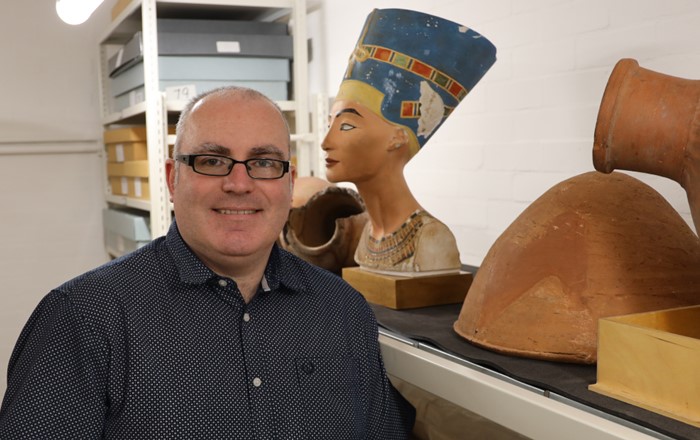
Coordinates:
(76, 11)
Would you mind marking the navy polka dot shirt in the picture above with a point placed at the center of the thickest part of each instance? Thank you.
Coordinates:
(154, 345)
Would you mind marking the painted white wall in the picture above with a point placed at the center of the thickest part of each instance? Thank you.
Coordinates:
(50, 170)
(529, 123)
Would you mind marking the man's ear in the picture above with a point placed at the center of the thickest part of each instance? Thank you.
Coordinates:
(399, 138)
(170, 175)
(292, 180)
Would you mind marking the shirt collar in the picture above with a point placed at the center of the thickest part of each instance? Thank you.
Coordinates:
(280, 269)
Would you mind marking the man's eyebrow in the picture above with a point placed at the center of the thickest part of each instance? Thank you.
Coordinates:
(267, 150)
(262, 150)
(212, 148)
(348, 110)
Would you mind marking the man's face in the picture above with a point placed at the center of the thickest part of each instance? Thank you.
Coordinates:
(357, 143)
(228, 218)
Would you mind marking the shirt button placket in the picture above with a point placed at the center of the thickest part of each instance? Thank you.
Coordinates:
(256, 381)
(254, 356)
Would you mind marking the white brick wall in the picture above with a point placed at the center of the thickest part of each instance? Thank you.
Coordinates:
(529, 123)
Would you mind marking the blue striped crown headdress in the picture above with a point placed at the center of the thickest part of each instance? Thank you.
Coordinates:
(413, 69)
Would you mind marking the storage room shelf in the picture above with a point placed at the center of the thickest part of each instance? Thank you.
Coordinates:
(129, 202)
(129, 20)
(515, 405)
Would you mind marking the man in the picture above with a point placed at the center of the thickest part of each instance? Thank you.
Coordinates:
(211, 332)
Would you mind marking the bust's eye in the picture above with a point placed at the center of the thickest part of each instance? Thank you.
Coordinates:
(346, 127)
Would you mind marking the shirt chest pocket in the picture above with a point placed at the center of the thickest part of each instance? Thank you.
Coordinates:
(329, 388)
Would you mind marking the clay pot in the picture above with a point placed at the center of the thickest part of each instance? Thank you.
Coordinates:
(593, 246)
(325, 228)
(306, 187)
(650, 122)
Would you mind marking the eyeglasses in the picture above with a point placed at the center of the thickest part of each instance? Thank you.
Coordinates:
(216, 165)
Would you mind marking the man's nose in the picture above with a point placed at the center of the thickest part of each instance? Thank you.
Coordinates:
(238, 179)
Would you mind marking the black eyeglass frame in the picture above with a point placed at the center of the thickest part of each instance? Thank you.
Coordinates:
(189, 159)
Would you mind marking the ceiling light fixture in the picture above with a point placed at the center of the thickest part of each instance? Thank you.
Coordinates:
(76, 11)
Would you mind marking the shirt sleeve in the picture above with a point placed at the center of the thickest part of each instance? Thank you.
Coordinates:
(56, 377)
(390, 416)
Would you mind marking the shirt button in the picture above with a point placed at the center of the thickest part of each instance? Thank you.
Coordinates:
(223, 283)
(257, 382)
(246, 317)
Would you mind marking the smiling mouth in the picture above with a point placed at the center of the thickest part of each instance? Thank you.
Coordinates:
(236, 211)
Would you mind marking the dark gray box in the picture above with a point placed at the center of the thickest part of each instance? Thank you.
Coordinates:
(209, 37)
(185, 25)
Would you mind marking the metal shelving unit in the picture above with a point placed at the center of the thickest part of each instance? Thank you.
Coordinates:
(156, 112)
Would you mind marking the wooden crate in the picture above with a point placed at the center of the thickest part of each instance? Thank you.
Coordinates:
(652, 360)
(397, 292)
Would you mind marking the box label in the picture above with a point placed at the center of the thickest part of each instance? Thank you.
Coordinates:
(119, 150)
(228, 47)
(138, 192)
(180, 93)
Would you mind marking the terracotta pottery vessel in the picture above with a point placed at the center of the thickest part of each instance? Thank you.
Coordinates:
(592, 246)
(650, 122)
(324, 224)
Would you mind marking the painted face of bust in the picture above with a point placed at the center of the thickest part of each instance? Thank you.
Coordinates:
(359, 144)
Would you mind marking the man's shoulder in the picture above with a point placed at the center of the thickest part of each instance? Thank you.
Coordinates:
(314, 279)
(292, 264)
(140, 267)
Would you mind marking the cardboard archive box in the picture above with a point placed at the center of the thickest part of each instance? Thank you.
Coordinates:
(125, 231)
(270, 76)
(209, 37)
(200, 55)
(128, 143)
(129, 178)
(127, 161)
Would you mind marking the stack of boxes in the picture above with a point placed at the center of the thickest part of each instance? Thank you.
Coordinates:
(127, 162)
(200, 55)
(125, 231)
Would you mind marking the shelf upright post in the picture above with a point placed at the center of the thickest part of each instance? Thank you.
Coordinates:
(156, 122)
(305, 164)
(319, 128)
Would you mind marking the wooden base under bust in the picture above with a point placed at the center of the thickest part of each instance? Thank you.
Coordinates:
(398, 292)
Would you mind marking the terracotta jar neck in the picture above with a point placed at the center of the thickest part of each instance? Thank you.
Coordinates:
(650, 122)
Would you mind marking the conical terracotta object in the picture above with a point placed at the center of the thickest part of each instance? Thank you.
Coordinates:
(593, 246)
(650, 122)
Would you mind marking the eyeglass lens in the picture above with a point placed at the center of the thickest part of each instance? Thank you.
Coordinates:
(221, 166)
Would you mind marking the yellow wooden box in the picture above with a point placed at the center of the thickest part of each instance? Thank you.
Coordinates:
(652, 360)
